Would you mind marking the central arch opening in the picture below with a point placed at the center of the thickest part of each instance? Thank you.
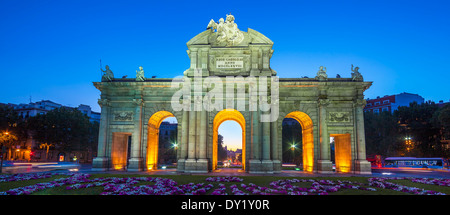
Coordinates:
(229, 151)
(221, 117)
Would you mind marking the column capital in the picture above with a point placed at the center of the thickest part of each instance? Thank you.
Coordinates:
(138, 102)
(323, 102)
(104, 102)
(360, 103)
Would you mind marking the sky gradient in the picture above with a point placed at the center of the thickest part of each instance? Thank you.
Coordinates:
(51, 50)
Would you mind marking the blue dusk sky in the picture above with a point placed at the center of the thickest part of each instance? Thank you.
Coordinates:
(51, 50)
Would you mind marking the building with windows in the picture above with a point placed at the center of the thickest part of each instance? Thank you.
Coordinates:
(392, 102)
(42, 107)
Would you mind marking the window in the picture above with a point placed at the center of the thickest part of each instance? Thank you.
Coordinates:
(385, 109)
(377, 103)
(369, 104)
(386, 101)
(376, 110)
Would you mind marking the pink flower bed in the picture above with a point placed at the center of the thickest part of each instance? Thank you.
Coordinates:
(383, 183)
(165, 186)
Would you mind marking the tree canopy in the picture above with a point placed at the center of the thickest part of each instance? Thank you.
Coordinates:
(423, 125)
(65, 128)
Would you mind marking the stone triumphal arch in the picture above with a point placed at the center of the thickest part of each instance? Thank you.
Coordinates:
(230, 78)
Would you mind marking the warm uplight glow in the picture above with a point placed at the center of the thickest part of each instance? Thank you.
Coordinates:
(307, 138)
(343, 155)
(222, 116)
(118, 150)
(153, 137)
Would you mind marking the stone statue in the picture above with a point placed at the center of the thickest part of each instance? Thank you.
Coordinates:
(140, 74)
(227, 32)
(322, 73)
(356, 76)
(107, 74)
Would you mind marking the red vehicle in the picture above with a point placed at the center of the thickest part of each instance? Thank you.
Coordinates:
(375, 160)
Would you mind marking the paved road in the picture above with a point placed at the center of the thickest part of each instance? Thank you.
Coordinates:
(86, 168)
(420, 173)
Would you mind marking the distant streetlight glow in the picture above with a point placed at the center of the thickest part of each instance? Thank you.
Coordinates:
(293, 146)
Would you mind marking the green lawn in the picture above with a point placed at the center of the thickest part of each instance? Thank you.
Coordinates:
(262, 181)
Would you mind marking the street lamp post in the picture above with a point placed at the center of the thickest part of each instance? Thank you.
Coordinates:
(408, 143)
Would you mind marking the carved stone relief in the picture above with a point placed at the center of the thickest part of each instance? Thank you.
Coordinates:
(339, 116)
(123, 116)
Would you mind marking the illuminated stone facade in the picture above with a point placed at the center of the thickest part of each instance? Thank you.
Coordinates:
(325, 107)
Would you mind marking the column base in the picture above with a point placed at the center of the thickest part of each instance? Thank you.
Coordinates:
(277, 166)
(267, 166)
(363, 167)
(202, 165)
(196, 166)
(135, 164)
(180, 165)
(260, 167)
(100, 164)
(254, 166)
(324, 167)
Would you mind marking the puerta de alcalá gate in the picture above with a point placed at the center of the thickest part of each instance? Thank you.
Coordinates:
(230, 78)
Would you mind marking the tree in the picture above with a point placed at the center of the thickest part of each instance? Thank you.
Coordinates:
(8, 118)
(382, 134)
(11, 123)
(443, 120)
(45, 146)
(6, 139)
(64, 128)
(221, 153)
(418, 123)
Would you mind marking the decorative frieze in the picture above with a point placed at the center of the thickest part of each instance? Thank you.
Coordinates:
(339, 117)
(123, 116)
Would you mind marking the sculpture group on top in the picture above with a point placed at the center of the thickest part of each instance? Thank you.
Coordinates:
(140, 74)
(322, 74)
(108, 74)
(227, 32)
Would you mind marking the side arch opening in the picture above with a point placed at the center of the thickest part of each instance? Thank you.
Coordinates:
(307, 138)
(153, 138)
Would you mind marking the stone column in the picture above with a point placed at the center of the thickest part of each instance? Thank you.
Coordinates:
(202, 162)
(192, 131)
(184, 141)
(362, 166)
(274, 142)
(324, 164)
(255, 160)
(100, 163)
(266, 163)
(191, 163)
(266, 140)
(136, 160)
